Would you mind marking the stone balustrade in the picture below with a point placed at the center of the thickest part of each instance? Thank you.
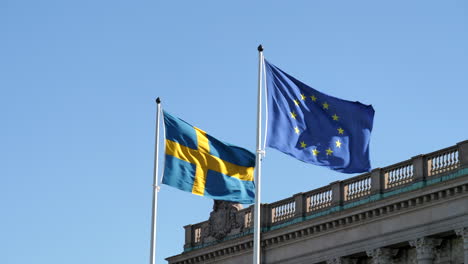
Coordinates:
(318, 199)
(418, 172)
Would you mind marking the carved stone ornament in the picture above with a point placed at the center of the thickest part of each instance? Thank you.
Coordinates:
(223, 220)
(463, 232)
(341, 260)
(425, 247)
(382, 255)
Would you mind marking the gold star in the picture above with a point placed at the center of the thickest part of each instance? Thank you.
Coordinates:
(303, 97)
(340, 131)
(325, 105)
(303, 144)
(296, 129)
(313, 98)
(293, 114)
(335, 117)
(329, 152)
(296, 102)
(315, 152)
(338, 143)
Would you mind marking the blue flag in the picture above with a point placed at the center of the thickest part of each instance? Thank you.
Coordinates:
(199, 163)
(317, 128)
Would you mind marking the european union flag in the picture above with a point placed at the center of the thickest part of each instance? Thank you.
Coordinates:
(199, 163)
(317, 128)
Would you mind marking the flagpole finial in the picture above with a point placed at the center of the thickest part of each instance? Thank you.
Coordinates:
(158, 101)
(260, 48)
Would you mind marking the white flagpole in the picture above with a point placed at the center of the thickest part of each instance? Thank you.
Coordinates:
(258, 164)
(155, 186)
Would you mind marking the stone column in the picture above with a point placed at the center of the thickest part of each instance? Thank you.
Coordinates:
(382, 255)
(425, 249)
(443, 253)
(463, 232)
(341, 260)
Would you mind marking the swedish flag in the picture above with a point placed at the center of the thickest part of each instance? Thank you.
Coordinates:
(315, 127)
(199, 163)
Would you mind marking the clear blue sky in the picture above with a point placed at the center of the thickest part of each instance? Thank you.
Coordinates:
(78, 81)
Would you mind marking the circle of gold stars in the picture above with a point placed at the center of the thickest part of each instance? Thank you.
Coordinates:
(335, 117)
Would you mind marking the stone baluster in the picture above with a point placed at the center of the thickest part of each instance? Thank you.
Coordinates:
(382, 255)
(425, 249)
(463, 232)
(341, 260)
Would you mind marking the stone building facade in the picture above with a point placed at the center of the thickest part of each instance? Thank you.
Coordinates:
(415, 211)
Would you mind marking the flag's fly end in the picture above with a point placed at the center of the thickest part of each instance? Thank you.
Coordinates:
(317, 128)
(198, 163)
